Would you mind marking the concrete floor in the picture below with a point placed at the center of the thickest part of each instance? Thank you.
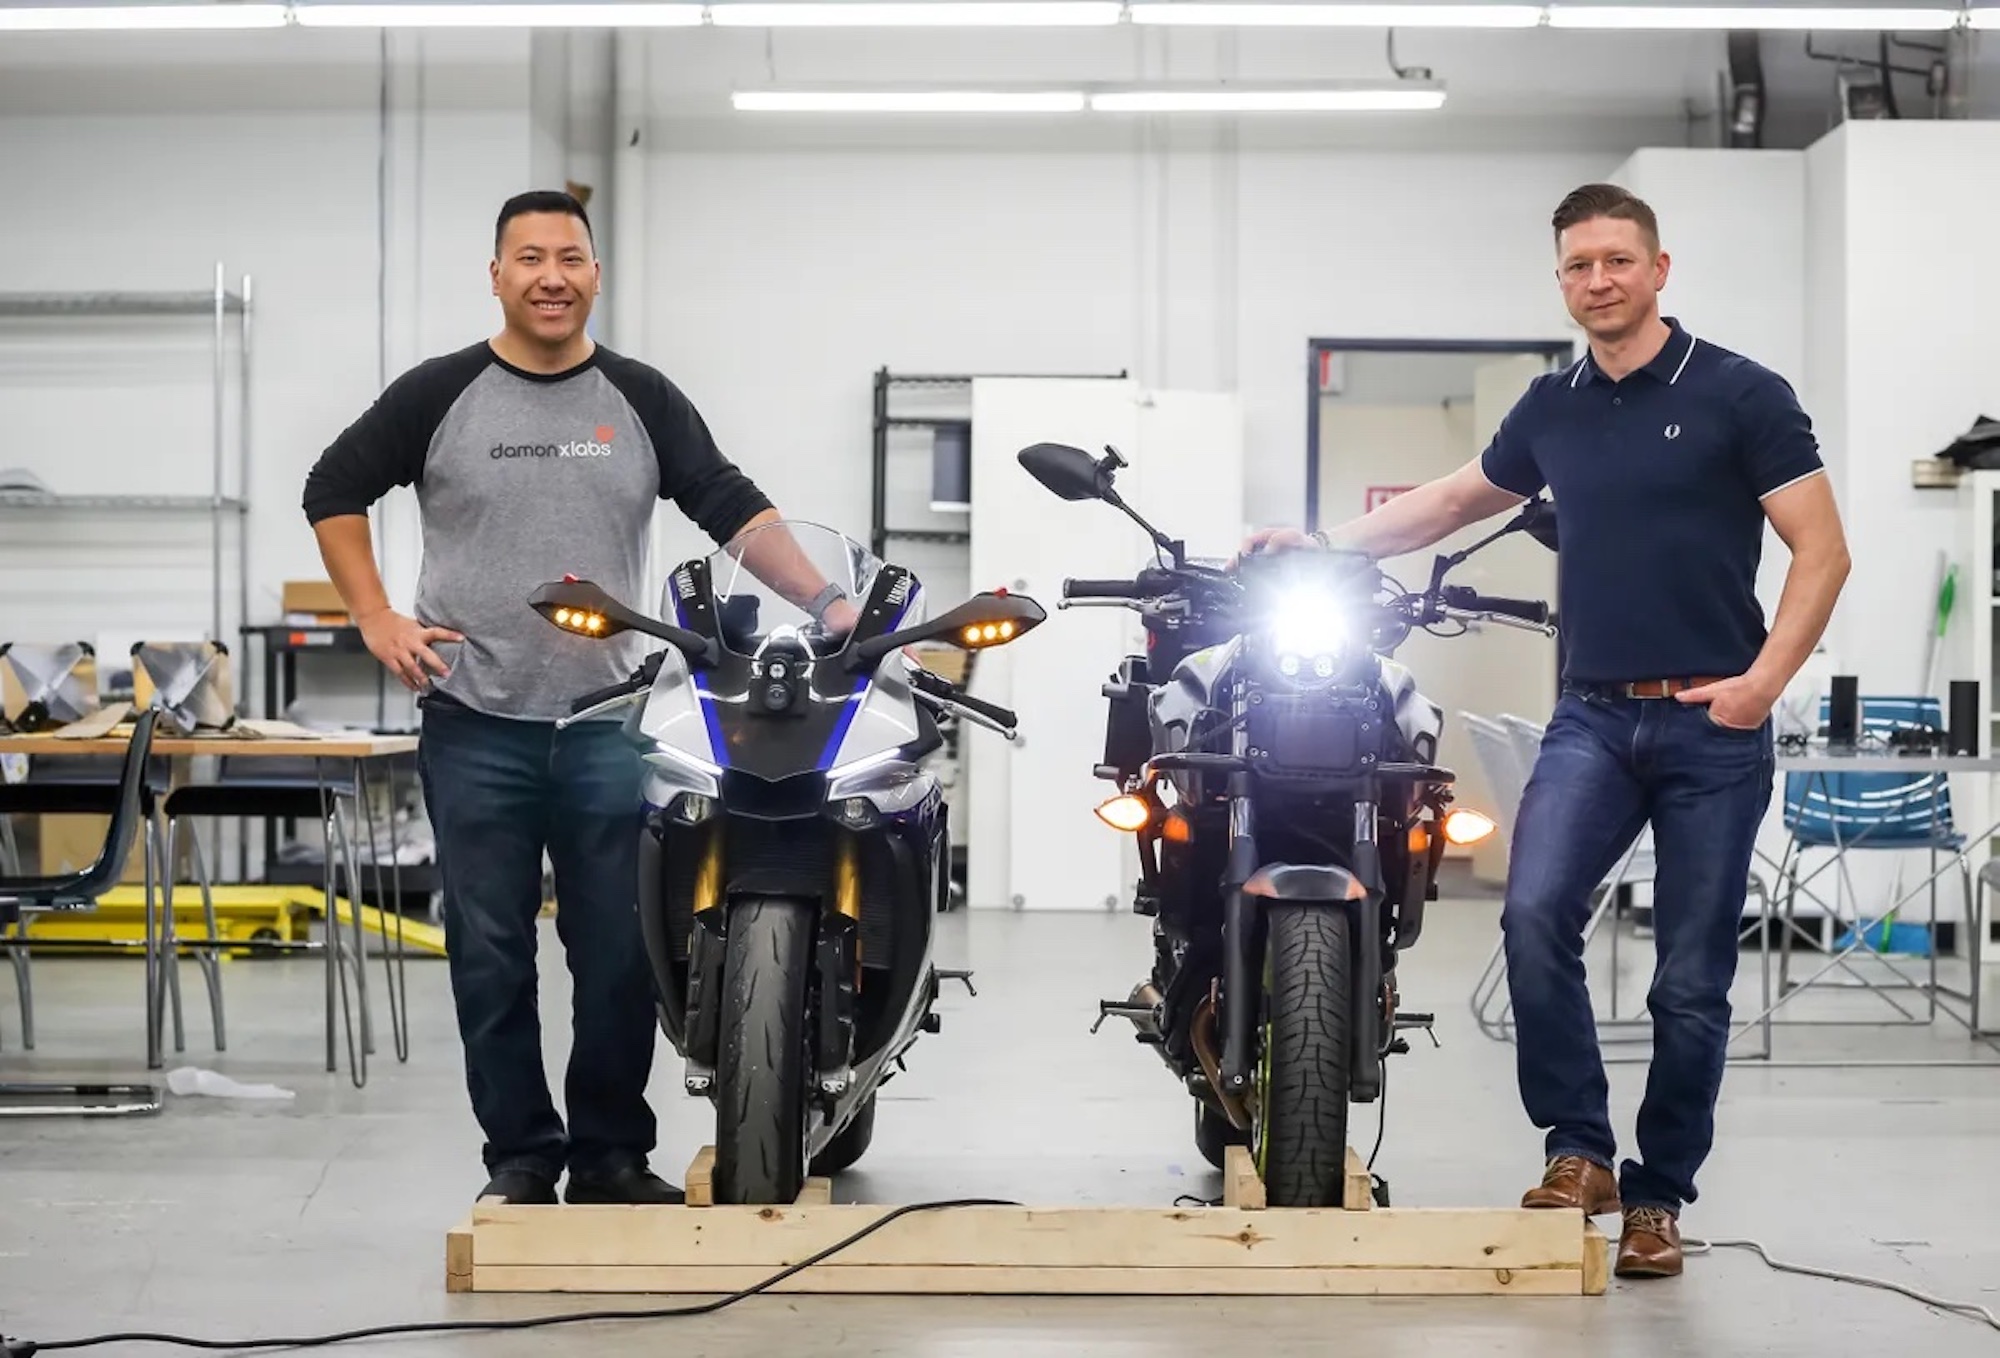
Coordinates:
(235, 1220)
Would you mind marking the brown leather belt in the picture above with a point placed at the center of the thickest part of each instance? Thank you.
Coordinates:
(1659, 688)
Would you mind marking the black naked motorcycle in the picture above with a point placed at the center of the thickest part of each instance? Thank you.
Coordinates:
(1279, 771)
(793, 847)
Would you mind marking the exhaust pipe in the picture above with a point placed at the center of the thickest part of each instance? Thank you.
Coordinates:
(1201, 1033)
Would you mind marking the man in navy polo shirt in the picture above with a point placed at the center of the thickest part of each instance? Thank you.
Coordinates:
(1665, 455)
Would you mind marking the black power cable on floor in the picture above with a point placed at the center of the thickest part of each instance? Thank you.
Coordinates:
(22, 1348)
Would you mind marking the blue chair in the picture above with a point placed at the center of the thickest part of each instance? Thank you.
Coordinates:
(1873, 811)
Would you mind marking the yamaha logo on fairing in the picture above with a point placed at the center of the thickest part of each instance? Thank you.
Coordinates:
(684, 583)
(899, 591)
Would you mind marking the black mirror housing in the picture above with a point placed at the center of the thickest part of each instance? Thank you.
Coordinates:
(585, 609)
(1069, 472)
(990, 619)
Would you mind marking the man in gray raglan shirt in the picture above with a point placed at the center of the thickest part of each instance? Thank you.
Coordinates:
(535, 454)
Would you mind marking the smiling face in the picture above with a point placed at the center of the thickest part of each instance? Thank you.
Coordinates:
(546, 277)
(1611, 274)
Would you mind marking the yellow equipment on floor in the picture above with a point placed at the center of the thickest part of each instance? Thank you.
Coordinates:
(243, 913)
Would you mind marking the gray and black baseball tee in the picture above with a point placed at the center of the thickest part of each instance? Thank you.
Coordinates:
(522, 478)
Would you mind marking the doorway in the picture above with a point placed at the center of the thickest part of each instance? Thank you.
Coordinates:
(1385, 416)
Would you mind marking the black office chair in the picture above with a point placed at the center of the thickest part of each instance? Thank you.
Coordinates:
(22, 895)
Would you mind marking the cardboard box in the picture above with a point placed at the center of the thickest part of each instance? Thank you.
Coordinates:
(312, 596)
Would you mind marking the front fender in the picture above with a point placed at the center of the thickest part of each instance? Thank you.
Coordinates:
(1305, 882)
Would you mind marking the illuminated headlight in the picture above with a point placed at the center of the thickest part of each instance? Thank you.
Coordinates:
(1308, 629)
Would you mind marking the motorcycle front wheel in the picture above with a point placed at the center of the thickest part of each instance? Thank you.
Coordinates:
(1307, 1035)
(760, 1109)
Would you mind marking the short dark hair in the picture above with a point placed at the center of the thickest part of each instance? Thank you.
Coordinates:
(1605, 200)
(540, 200)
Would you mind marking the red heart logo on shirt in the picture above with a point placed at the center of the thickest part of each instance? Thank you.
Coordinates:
(604, 433)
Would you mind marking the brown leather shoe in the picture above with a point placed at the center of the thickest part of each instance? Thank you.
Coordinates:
(1577, 1184)
(1651, 1244)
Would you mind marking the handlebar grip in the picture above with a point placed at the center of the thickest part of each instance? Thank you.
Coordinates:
(986, 709)
(1527, 610)
(939, 687)
(604, 695)
(1102, 589)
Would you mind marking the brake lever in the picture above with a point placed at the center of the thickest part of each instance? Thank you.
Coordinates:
(1136, 605)
(564, 723)
(1010, 734)
(1502, 619)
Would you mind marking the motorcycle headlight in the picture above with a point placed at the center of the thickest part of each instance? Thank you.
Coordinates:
(1308, 634)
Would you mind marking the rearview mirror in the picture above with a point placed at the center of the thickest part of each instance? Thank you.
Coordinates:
(584, 608)
(1069, 472)
(991, 619)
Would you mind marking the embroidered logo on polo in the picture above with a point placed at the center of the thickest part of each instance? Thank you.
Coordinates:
(1673, 431)
(598, 446)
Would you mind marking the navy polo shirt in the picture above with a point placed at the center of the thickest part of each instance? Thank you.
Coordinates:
(1658, 482)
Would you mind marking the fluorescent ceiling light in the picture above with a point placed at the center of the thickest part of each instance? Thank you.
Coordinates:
(1383, 98)
(1338, 15)
(918, 14)
(1870, 20)
(908, 101)
(637, 15)
(74, 18)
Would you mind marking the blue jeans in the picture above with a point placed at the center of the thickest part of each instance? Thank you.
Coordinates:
(1608, 765)
(498, 792)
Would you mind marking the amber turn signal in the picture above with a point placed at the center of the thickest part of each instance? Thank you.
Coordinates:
(1466, 827)
(1125, 813)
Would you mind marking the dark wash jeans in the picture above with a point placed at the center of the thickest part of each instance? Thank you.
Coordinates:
(1607, 766)
(498, 791)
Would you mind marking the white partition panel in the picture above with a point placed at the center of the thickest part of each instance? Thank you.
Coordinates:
(1032, 840)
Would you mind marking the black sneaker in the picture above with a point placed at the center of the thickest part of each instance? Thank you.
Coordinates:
(622, 1184)
(520, 1186)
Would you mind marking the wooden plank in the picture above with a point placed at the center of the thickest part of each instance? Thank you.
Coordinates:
(699, 1185)
(1242, 1186)
(771, 1238)
(817, 1192)
(967, 1280)
(458, 1258)
(1358, 1186)
(1596, 1260)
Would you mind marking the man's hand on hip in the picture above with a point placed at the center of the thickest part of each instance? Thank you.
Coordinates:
(404, 645)
(1743, 701)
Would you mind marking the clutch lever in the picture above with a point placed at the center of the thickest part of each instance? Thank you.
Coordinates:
(564, 723)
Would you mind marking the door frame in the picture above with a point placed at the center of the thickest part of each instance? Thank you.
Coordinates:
(1565, 349)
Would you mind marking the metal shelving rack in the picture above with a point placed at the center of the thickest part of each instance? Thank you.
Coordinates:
(886, 382)
(219, 304)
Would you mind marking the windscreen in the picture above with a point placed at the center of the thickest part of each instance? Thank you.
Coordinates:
(766, 581)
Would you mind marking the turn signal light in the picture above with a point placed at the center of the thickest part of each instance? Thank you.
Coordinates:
(579, 620)
(988, 633)
(1466, 827)
(1125, 813)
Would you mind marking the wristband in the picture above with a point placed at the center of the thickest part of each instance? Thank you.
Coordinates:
(823, 601)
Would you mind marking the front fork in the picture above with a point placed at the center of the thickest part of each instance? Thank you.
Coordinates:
(1243, 940)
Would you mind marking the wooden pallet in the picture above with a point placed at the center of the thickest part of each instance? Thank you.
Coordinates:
(1241, 1248)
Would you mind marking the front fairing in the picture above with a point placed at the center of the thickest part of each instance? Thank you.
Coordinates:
(778, 704)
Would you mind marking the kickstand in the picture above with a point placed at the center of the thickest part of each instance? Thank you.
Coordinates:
(951, 974)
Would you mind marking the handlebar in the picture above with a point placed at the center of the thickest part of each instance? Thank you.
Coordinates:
(1471, 601)
(1102, 589)
(606, 694)
(924, 681)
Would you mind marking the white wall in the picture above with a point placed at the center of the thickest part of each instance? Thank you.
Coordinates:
(150, 197)
(1922, 362)
(778, 282)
